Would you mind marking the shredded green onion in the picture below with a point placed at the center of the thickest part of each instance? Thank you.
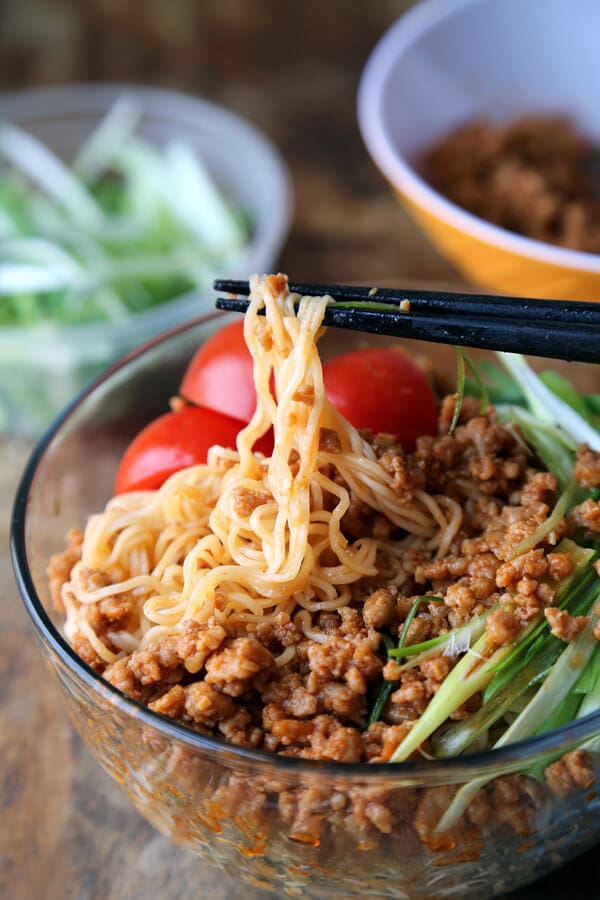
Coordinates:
(548, 406)
(545, 704)
(448, 644)
(562, 506)
(388, 686)
(480, 385)
(460, 387)
(126, 227)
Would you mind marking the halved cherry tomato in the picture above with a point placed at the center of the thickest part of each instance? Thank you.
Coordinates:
(174, 441)
(220, 374)
(382, 389)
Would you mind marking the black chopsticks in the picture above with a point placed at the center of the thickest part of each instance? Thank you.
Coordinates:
(567, 330)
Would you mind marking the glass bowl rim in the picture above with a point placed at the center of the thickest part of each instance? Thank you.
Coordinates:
(491, 762)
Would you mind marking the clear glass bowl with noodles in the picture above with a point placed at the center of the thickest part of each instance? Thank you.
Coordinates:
(297, 827)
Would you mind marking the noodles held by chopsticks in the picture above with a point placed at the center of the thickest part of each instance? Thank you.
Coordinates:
(243, 537)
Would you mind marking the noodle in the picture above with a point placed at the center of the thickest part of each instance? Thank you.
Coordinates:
(193, 551)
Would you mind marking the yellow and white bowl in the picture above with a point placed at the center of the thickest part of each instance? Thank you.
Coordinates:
(448, 61)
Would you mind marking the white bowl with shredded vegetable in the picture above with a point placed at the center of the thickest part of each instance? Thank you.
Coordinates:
(119, 205)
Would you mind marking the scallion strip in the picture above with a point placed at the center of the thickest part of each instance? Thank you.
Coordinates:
(35, 160)
(463, 637)
(575, 592)
(566, 391)
(553, 447)
(388, 686)
(472, 674)
(460, 387)
(547, 406)
(561, 507)
(461, 735)
(557, 685)
(384, 691)
(482, 390)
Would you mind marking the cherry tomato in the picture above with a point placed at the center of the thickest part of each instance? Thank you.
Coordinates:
(220, 374)
(174, 441)
(378, 388)
(382, 389)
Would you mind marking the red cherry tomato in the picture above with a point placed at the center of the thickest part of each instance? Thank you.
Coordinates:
(220, 374)
(174, 441)
(378, 388)
(382, 389)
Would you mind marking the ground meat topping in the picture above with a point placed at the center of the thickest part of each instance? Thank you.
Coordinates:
(204, 704)
(282, 630)
(329, 441)
(563, 625)
(462, 600)
(172, 704)
(539, 488)
(84, 649)
(587, 467)
(239, 661)
(344, 745)
(157, 665)
(61, 564)
(502, 627)
(559, 565)
(532, 176)
(435, 669)
(246, 501)
(532, 564)
(587, 514)
(382, 739)
(512, 800)
(305, 394)
(197, 643)
(333, 657)
(116, 610)
(379, 608)
(392, 460)
(121, 676)
(574, 771)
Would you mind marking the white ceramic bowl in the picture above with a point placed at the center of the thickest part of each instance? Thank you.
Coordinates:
(448, 61)
(41, 369)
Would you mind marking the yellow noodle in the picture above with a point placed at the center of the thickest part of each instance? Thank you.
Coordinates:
(193, 551)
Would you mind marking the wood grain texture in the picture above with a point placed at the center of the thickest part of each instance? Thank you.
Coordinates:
(292, 68)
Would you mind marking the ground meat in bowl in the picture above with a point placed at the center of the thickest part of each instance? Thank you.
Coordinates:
(537, 176)
(304, 685)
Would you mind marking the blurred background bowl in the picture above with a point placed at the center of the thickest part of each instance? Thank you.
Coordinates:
(43, 367)
(271, 820)
(446, 62)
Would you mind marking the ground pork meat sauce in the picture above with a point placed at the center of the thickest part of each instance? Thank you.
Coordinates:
(225, 681)
(534, 176)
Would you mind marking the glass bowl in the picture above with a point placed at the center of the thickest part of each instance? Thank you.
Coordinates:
(296, 827)
(43, 367)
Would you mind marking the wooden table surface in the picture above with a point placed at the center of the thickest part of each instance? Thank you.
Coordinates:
(291, 68)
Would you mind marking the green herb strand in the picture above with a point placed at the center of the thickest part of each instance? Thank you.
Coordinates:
(460, 387)
(388, 686)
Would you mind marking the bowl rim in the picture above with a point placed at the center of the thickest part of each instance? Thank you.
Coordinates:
(36, 103)
(502, 761)
(403, 34)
